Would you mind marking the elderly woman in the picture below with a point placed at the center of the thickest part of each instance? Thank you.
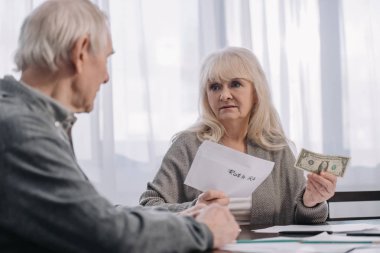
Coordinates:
(237, 111)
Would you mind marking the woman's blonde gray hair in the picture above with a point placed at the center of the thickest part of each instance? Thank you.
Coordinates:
(264, 124)
(50, 31)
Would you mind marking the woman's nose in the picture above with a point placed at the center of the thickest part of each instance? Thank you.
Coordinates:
(225, 95)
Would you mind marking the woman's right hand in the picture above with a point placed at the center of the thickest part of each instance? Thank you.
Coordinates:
(213, 196)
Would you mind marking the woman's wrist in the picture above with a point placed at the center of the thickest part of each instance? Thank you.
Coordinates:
(307, 202)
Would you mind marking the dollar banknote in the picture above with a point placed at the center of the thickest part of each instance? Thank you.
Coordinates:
(317, 163)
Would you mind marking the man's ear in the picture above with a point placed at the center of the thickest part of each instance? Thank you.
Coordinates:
(79, 53)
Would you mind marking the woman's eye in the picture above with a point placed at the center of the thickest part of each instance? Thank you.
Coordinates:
(214, 86)
(235, 84)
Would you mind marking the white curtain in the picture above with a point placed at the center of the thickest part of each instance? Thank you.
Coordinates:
(320, 58)
(153, 94)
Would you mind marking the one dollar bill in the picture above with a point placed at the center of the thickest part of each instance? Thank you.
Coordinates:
(316, 163)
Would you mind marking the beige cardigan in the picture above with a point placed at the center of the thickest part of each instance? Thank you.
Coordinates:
(277, 201)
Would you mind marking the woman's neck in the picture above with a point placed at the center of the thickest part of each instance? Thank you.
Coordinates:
(236, 138)
(239, 145)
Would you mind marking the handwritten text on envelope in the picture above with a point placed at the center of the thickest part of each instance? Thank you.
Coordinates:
(218, 167)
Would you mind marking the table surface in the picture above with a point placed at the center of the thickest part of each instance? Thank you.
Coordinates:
(247, 232)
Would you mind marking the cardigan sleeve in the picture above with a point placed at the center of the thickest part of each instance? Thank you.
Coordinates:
(295, 188)
(167, 188)
(303, 214)
(310, 215)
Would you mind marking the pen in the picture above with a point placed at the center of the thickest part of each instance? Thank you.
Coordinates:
(306, 233)
(363, 234)
(305, 241)
(339, 242)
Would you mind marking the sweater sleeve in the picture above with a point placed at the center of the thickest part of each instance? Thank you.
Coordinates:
(48, 203)
(167, 188)
(303, 214)
(310, 215)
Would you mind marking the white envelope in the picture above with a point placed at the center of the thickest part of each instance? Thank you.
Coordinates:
(221, 168)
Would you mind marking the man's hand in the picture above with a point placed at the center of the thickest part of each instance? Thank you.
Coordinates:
(319, 188)
(221, 223)
(213, 196)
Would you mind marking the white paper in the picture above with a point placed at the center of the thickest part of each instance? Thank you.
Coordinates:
(340, 228)
(263, 248)
(221, 168)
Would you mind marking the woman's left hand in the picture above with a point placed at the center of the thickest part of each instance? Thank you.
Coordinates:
(319, 188)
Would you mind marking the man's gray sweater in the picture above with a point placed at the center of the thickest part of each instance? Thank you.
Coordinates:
(48, 205)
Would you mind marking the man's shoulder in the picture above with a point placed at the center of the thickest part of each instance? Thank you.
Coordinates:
(17, 108)
(18, 123)
(12, 101)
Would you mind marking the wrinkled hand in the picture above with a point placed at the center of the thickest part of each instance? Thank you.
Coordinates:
(319, 188)
(213, 196)
(221, 224)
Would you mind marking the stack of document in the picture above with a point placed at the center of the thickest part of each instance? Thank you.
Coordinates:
(241, 209)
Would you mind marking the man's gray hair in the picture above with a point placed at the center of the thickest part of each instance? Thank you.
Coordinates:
(48, 34)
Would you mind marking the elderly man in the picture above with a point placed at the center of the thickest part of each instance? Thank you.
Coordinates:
(47, 203)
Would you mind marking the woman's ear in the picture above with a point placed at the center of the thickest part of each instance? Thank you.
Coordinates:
(79, 53)
(255, 97)
(255, 101)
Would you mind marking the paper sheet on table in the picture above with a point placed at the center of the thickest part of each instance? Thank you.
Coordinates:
(263, 247)
(339, 238)
(339, 228)
(218, 167)
(315, 244)
(299, 248)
